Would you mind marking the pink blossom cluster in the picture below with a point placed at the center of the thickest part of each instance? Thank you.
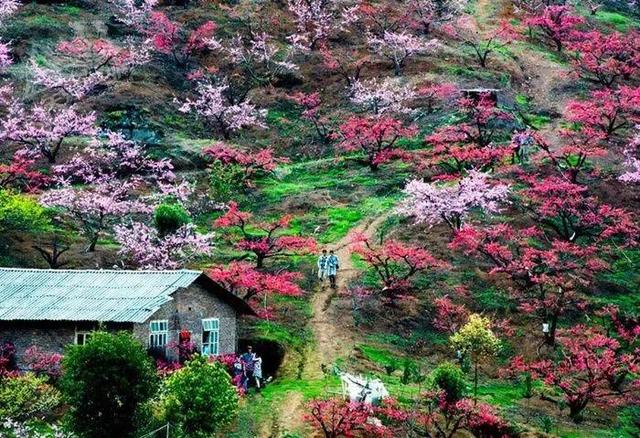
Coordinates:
(144, 248)
(212, 106)
(434, 203)
(380, 96)
(398, 47)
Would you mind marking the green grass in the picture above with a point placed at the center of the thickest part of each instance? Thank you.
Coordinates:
(276, 332)
(501, 393)
(377, 355)
(616, 20)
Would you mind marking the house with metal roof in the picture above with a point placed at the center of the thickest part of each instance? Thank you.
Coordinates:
(50, 309)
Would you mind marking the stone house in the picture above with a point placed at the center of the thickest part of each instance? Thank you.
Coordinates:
(50, 309)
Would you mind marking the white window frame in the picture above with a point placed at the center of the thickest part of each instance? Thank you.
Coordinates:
(85, 334)
(158, 333)
(210, 342)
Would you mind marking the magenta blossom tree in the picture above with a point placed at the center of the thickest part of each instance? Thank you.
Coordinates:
(434, 203)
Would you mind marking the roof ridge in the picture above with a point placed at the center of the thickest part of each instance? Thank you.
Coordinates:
(128, 271)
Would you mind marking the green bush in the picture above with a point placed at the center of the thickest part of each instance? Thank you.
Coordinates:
(27, 396)
(449, 378)
(225, 181)
(169, 217)
(106, 382)
(199, 399)
(21, 213)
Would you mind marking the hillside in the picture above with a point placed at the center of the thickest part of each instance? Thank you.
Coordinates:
(473, 164)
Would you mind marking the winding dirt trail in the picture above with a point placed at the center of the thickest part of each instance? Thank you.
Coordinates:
(331, 324)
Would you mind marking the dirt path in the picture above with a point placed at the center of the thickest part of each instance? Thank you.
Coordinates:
(331, 324)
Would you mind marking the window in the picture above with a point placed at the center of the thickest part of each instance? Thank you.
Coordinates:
(82, 337)
(210, 336)
(158, 333)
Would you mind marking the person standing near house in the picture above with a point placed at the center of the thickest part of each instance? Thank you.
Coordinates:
(333, 264)
(322, 265)
(248, 359)
(257, 370)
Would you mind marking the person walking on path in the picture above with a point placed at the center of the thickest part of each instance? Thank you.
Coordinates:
(333, 264)
(322, 265)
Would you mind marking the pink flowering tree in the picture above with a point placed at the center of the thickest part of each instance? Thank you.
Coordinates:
(632, 162)
(312, 112)
(264, 240)
(348, 64)
(483, 44)
(432, 96)
(44, 129)
(606, 59)
(557, 25)
(88, 65)
(383, 96)
(434, 203)
(250, 284)
(114, 157)
(225, 117)
(253, 164)
(399, 47)
(97, 208)
(7, 8)
(426, 14)
(590, 363)
(43, 363)
(376, 137)
(170, 38)
(395, 264)
(133, 13)
(144, 247)
(260, 58)
(317, 20)
(469, 142)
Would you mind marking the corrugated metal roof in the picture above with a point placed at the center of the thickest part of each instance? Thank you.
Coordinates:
(95, 295)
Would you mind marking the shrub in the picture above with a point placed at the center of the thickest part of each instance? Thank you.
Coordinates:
(105, 382)
(169, 217)
(449, 378)
(21, 213)
(42, 363)
(199, 398)
(27, 396)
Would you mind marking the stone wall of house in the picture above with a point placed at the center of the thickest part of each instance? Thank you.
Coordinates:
(186, 312)
(49, 336)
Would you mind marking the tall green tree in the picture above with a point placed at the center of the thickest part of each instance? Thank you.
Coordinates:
(106, 382)
(477, 340)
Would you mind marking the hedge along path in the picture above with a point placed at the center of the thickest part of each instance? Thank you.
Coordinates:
(331, 324)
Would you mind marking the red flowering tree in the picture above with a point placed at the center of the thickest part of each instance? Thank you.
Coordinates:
(21, 173)
(395, 264)
(264, 240)
(376, 137)
(311, 104)
(556, 25)
(469, 142)
(439, 417)
(251, 284)
(336, 418)
(592, 369)
(348, 64)
(169, 37)
(449, 316)
(606, 59)
(605, 113)
(253, 164)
